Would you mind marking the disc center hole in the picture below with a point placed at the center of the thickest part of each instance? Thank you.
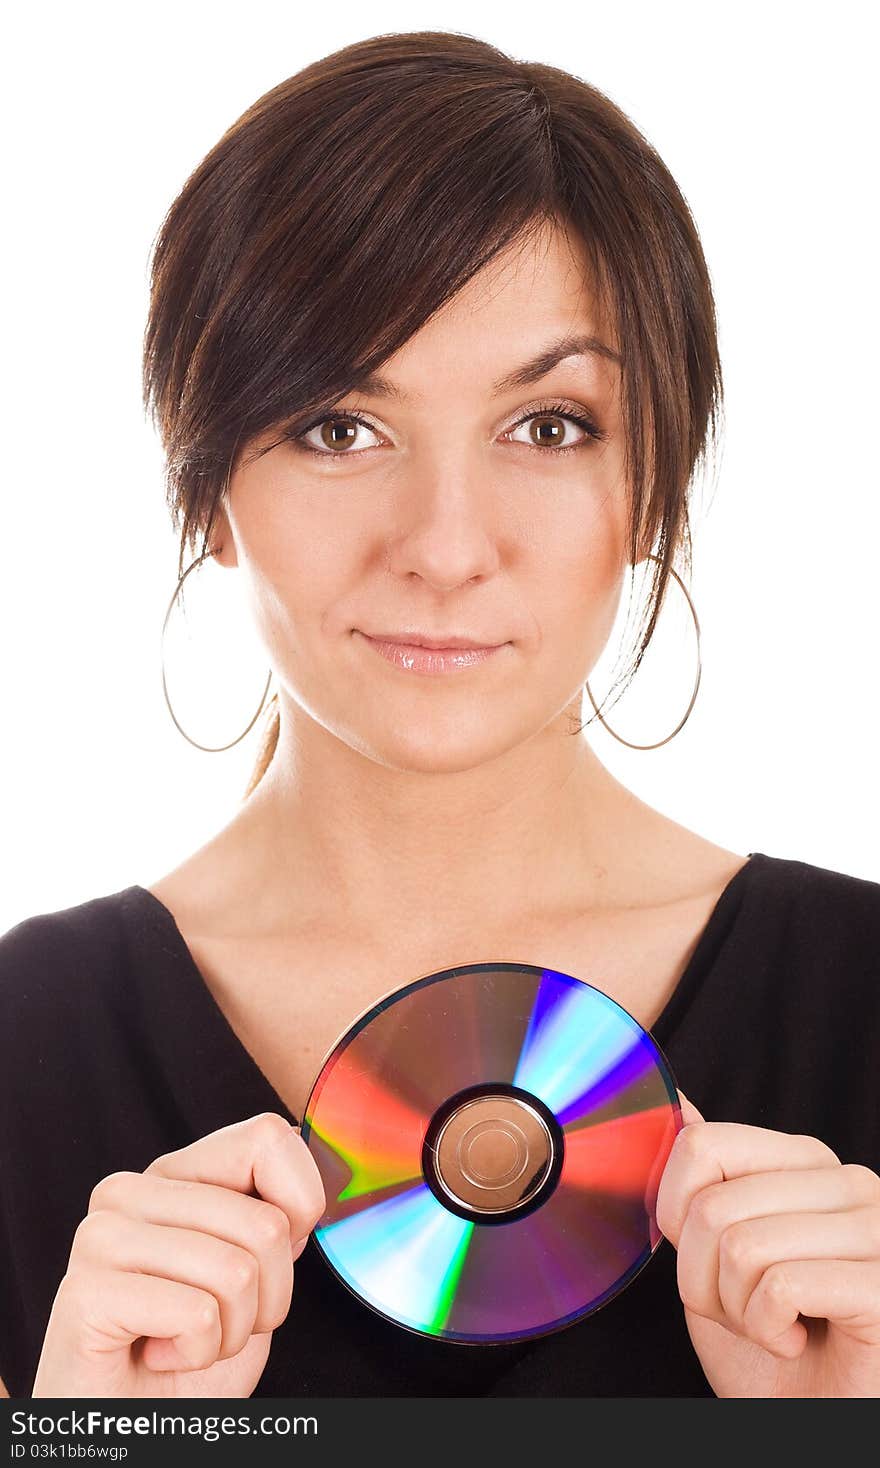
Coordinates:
(493, 1153)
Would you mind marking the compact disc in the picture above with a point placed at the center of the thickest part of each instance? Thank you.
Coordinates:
(491, 1140)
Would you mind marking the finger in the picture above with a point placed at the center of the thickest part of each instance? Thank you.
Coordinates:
(231, 1274)
(845, 1291)
(262, 1155)
(689, 1112)
(252, 1224)
(716, 1209)
(748, 1249)
(105, 1310)
(715, 1151)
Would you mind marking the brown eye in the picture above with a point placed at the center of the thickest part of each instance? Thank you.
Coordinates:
(336, 433)
(547, 429)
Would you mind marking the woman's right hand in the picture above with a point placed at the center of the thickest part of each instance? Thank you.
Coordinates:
(179, 1274)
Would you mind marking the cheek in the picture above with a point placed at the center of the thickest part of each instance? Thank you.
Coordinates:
(578, 571)
(296, 574)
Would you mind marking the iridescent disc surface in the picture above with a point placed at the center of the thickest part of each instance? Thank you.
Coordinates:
(491, 1140)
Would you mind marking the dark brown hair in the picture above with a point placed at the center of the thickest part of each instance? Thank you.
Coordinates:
(349, 203)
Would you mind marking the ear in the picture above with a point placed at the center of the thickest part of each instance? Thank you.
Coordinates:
(222, 538)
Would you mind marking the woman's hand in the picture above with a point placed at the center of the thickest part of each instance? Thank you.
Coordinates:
(179, 1274)
(778, 1260)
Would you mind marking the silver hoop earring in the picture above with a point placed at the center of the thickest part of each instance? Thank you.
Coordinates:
(696, 682)
(208, 748)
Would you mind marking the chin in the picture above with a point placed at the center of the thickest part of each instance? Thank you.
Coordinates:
(434, 750)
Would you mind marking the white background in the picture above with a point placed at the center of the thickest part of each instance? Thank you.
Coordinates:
(764, 115)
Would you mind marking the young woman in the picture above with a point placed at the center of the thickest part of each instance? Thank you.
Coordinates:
(432, 352)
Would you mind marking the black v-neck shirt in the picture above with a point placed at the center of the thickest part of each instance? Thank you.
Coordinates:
(113, 1051)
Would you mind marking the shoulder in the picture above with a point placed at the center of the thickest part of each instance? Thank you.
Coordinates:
(821, 902)
(67, 931)
(813, 935)
(51, 962)
(784, 1028)
(59, 971)
(67, 1010)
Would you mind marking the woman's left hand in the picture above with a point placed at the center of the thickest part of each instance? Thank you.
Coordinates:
(778, 1260)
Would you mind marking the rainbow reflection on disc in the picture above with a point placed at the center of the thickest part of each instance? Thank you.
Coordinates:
(491, 1140)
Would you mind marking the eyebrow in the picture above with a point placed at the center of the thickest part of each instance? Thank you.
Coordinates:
(573, 345)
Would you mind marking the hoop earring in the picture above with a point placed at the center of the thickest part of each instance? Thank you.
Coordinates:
(208, 748)
(696, 682)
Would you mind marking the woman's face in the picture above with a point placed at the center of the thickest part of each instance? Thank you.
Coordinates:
(454, 507)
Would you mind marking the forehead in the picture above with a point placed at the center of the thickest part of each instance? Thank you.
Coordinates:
(535, 295)
(548, 265)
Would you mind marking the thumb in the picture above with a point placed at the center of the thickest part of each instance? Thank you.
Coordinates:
(689, 1112)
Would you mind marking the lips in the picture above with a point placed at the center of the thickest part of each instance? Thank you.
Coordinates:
(417, 658)
(423, 639)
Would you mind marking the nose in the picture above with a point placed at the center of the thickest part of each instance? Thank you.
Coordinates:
(444, 530)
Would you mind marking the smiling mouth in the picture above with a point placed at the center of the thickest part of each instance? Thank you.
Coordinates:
(441, 643)
(415, 658)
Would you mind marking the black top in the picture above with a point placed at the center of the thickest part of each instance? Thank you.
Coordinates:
(114, 1051)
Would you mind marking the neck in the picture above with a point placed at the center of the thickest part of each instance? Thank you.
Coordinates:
(330, 832)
